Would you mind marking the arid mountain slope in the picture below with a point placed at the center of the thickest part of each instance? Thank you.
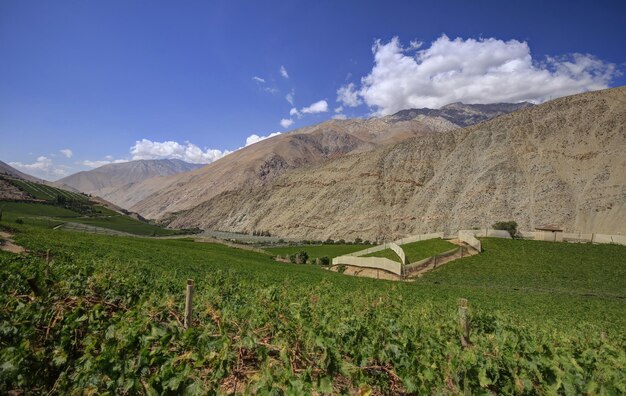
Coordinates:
(561, 162)
(259, 164)
(117, 182)
(11, 171)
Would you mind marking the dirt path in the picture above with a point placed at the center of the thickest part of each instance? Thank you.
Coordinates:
(8, 245)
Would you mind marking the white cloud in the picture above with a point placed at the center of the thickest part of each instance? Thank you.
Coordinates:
(286, 122)
(294, 112)
(189, 152)
(317, 107)
(43, 168)
(290, 97)
(340, 117)
(348, 95)
(258, 79)
(283, 72)
(472, 71)
(271, 90)
(67, 153)
(256, 138)
(338, 109)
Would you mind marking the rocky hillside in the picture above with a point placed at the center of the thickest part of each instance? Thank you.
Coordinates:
(560, 162)
(117, 182)
(259, 164)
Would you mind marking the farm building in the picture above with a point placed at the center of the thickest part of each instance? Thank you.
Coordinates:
(549, 232)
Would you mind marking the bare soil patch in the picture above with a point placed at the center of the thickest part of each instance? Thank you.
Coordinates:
(7, 244)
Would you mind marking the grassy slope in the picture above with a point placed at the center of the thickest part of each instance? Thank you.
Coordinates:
(535, 266)
(420, 250)
(320, 319)
(50, 216)
(416, 251)
(14, 210)
(317, 251)
(48, 193)
(387, 253)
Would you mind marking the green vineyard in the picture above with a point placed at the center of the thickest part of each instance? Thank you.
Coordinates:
(105, 316)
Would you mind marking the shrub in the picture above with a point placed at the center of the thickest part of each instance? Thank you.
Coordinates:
(19, 221)
(358, 240)
(324, 260)
(302, 257)
(509, 226)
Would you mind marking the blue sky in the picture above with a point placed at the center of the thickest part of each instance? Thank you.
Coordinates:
(117, 80)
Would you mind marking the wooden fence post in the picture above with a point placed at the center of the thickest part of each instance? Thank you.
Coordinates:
(48, 256)
(463, 323)
(188, 303)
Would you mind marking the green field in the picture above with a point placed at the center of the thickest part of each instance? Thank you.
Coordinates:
(315, 251)
(14, 210)
(545, 318)
(386, 253)
(420, 250)
(416, 251)
(47, 215)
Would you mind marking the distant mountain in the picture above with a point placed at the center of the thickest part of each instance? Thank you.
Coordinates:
(260, 163)
(562, 162)
(9, 170)
(463, 114)
(113, 182)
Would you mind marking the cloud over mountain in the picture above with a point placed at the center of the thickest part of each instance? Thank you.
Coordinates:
(471, 71)
(43, 168)
(188, 152)
(256, 138)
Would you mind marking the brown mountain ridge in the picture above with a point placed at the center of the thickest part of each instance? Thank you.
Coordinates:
(259, 164)
(560, 162)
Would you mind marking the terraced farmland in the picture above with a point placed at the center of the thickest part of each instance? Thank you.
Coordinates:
(46, 193)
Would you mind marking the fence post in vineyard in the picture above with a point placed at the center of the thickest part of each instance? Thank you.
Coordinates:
(463, 323)
(188, 303)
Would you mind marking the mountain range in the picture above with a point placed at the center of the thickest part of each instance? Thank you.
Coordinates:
(460, 166)
(260, 163)
(117, 183)
(560, 162)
